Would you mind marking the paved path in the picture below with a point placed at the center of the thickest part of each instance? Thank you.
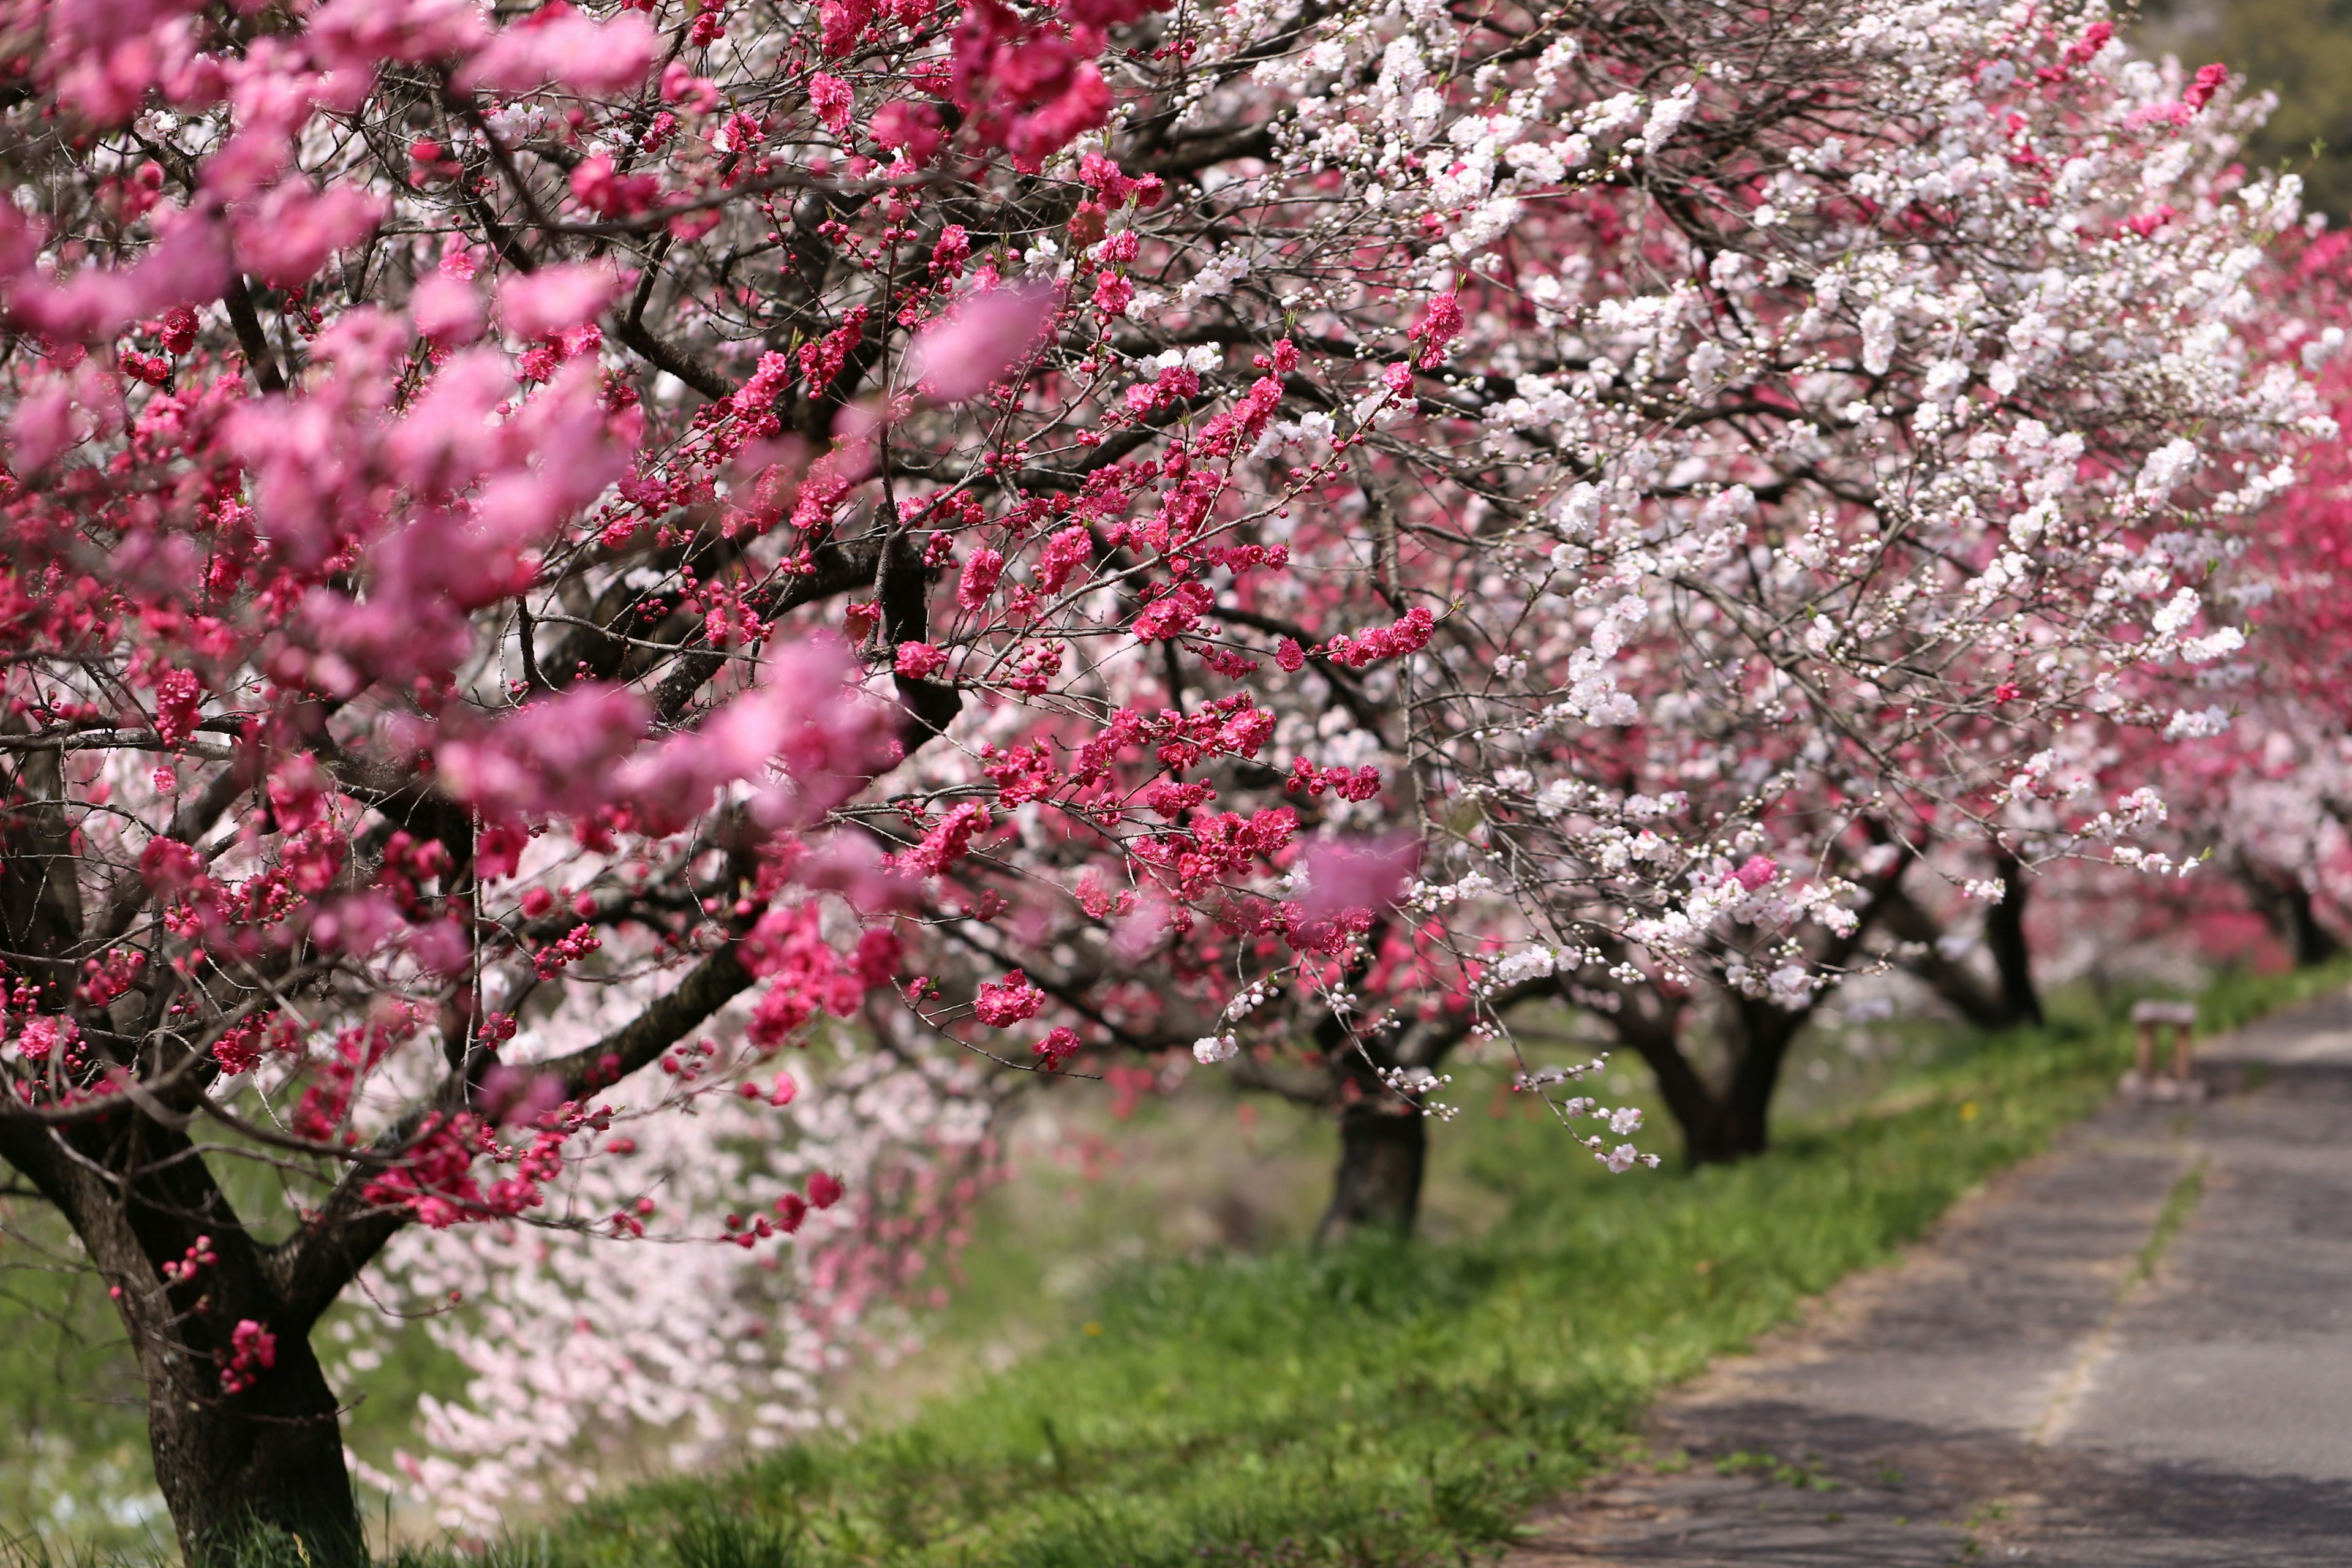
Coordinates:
(2021, 1388)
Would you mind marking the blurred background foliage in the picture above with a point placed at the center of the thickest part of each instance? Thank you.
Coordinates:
(2299, 49)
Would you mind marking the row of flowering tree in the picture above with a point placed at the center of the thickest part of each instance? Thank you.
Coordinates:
(2254, 769)
(547, 554)
(2271, 796)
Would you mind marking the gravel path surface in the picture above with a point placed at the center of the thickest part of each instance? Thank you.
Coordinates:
(2136, 1350)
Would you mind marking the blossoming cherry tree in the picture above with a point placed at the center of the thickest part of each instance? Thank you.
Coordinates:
(547, 554)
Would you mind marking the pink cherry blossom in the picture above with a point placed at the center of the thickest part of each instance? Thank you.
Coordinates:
(542, 303)
(985, 336)
(285, 234)
(448, 311)
(556, 44)
(1344, 879)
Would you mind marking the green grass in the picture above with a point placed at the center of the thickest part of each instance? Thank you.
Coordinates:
(1381, 1402)
(2179, 1205)
(73, 1430)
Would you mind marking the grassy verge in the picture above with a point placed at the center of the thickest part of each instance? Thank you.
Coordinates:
(1382, 1404)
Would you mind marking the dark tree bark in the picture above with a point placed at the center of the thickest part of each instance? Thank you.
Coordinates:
(1730, 1121)
(2286, 904)
(2012, 999)
(1765, 1033)
(230, 1461)
(1383, 1155)
(1383, 1141)
(2005, 937)
(270, 1458)
(262, 1451)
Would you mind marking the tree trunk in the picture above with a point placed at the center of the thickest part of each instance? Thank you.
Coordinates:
(1722, 1134)
(1718, 1125)
(184, 1272)
(269, 1459)
(1690, 1099)
(1737, 1122)
(1381, 1155)
(2005, 936)
(2008, 1003)
(2286, 904)
(1722, 1126)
